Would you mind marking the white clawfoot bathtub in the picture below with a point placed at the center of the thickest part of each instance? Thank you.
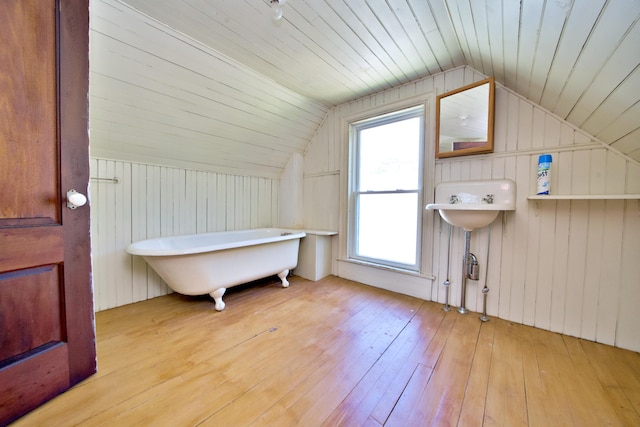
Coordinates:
(209, 263)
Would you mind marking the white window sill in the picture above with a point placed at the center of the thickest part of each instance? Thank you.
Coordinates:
(388, 268)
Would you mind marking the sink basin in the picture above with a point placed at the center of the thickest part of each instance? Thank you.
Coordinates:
(467, 216)
(477, 203)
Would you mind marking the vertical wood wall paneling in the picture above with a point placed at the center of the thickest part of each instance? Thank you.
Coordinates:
(519, 292)
(201, 191)
(627, 328)
(543, 286)
(439, 258)
(139, 219)
(614, 229)
(122, 232)
(220, 203)
(569, 266)
(593, 267)
(154, 201)
(155, 285)
(96, 218)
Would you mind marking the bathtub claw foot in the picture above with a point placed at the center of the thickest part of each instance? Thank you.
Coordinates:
(283, 276)
(217, 298)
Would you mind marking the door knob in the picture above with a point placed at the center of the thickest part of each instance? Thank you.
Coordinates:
(75, 199)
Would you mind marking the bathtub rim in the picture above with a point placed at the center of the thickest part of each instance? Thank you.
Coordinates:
(140, 248)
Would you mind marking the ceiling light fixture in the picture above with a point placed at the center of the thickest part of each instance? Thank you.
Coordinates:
(276, 9)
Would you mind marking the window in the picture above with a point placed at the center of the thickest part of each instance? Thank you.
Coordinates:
(386, 189)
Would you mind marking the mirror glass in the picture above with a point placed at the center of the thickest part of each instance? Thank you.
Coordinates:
(464, 120)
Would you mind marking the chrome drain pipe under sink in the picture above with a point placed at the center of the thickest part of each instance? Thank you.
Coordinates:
(465, 273)
(447, 283)
(470, 270)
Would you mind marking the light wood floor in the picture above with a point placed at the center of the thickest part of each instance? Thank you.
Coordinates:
(334, 353)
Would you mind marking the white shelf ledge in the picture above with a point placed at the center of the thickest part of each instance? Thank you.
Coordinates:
(585, 197)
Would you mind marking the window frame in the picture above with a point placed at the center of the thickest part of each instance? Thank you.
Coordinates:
(396, 115)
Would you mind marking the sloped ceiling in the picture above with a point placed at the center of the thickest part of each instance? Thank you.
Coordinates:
(580, 59)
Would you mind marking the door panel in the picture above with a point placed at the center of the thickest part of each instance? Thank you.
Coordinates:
(28, 86)
(33, 298)
(33, 380)
(24, 247)
(47, 337)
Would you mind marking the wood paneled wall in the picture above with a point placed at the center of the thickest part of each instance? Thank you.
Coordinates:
(153, 201)
(568, 266)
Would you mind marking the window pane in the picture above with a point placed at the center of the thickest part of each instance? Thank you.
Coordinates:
(388, 227)
(389, 156)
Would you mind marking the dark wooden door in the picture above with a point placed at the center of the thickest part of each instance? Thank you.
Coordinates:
(47, 337)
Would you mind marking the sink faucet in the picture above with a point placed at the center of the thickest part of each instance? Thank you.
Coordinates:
(488, 199)
(453, 199)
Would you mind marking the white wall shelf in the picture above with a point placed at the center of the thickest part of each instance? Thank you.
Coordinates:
(585, 197)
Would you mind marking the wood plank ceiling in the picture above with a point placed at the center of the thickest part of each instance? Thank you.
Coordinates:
(246, 91)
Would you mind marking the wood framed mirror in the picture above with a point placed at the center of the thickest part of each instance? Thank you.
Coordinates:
(464, 120)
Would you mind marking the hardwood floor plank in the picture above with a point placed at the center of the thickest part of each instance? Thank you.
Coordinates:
(619, 380)
(351, 356)
(275, 391)
(248, 407)
(435, 326)
(356, 408)
(573, 403)
(626, 371)
(549, 350)
(537, 411)
(506, 396)
(591, 391)
(475, 395)
(441, 399)
(200, 396)
(338, 353)
(408, 406)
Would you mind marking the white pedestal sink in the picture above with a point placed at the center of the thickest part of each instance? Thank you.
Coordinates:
(471, 205)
